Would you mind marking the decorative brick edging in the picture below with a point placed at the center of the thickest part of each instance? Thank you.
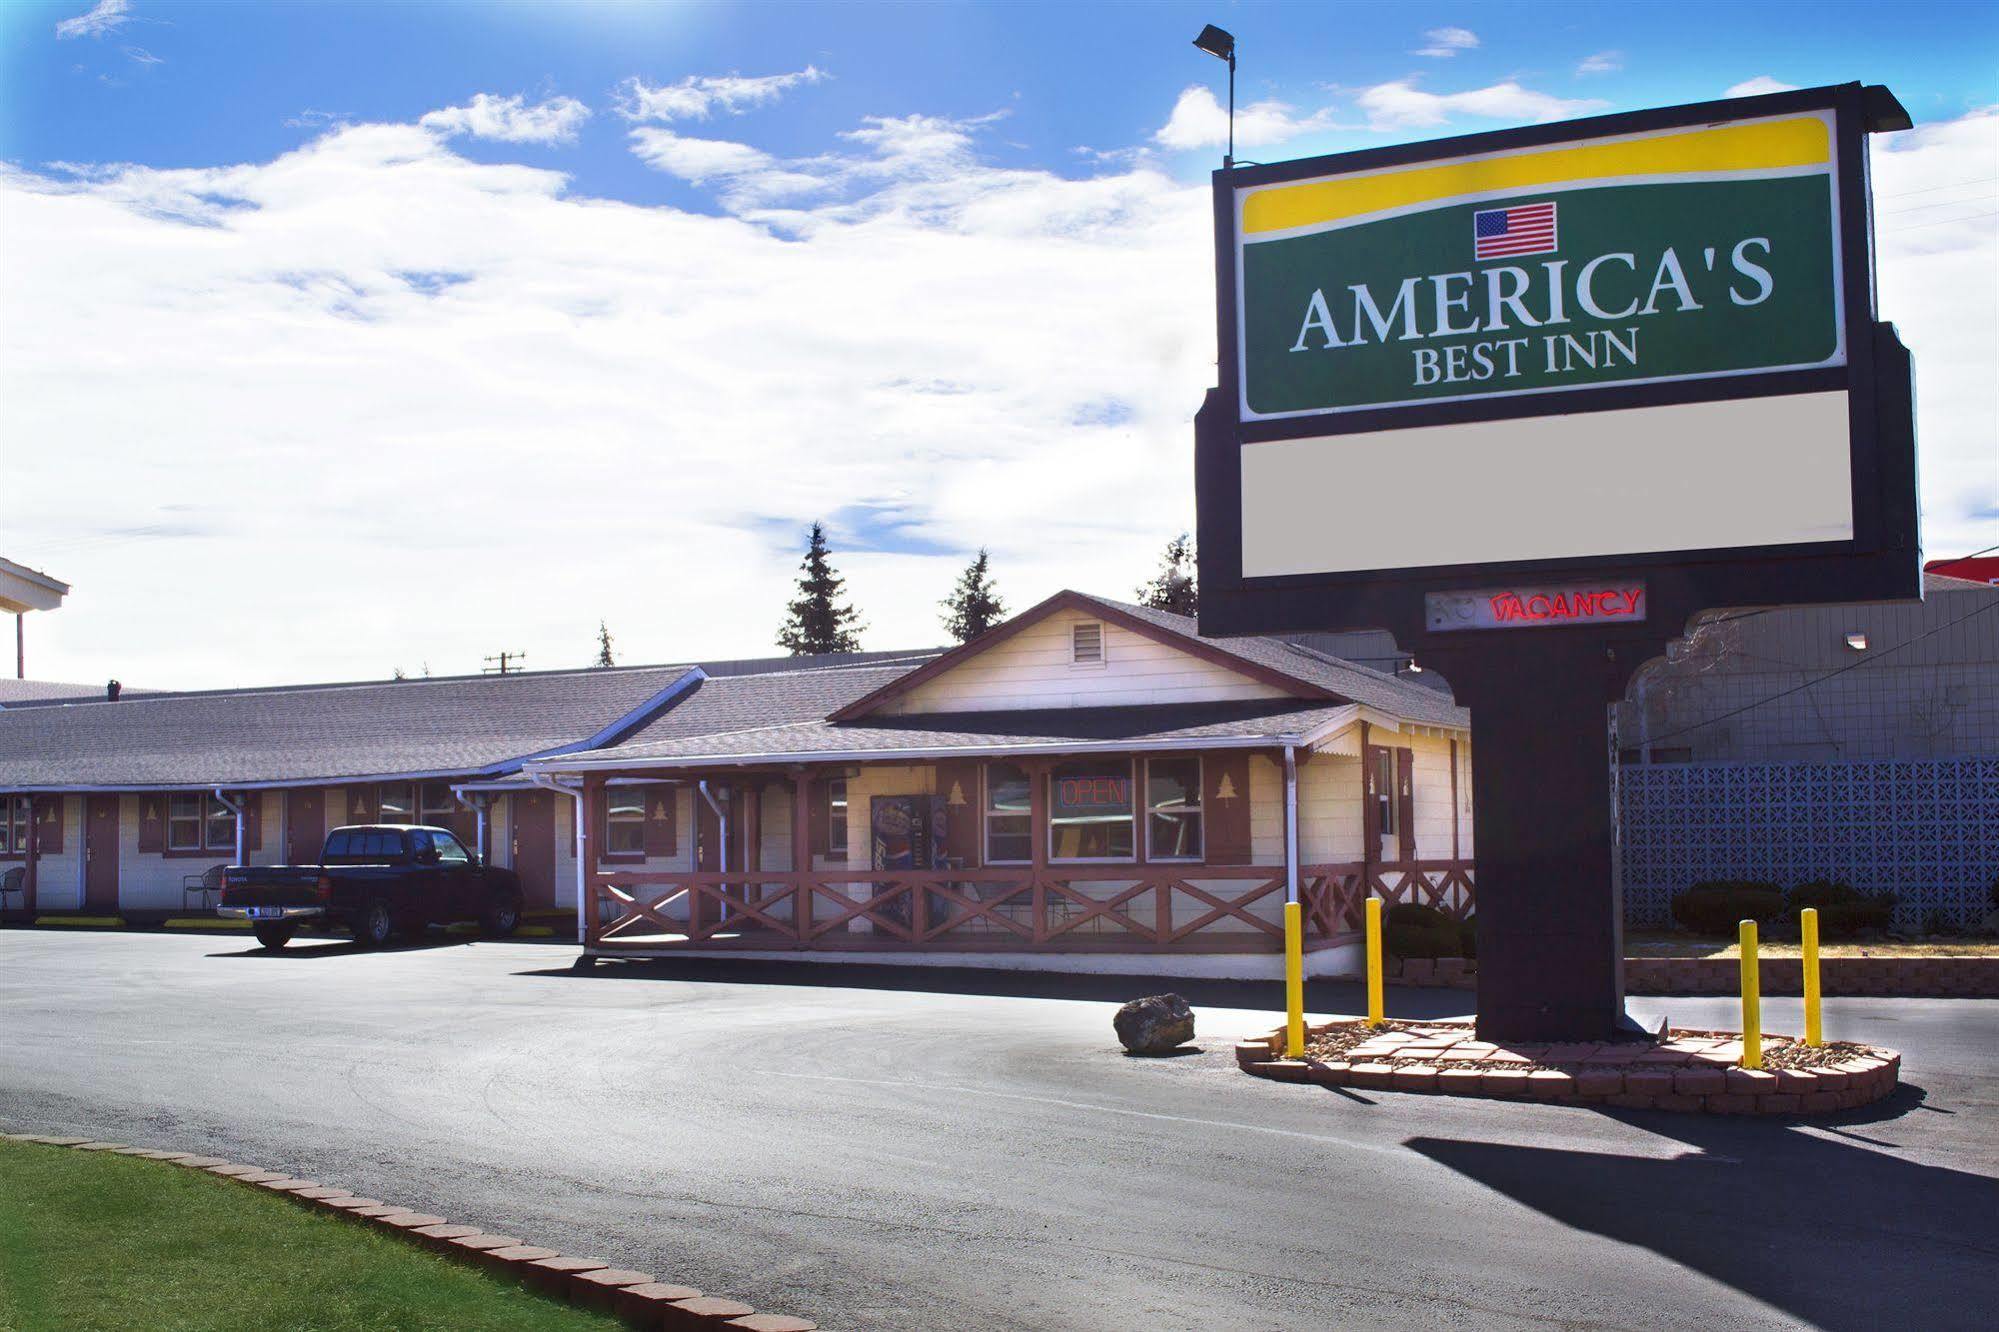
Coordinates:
(1964, 977)
(640, 1299)
(1694, 1071)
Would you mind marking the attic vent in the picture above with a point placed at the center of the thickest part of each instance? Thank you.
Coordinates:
(1086, 644)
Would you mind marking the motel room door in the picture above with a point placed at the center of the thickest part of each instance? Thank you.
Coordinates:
(100, 853)
(533, 826)
(305, 826)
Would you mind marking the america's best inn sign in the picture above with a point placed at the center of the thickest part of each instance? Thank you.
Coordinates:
(1709, 250)
(1640, 347)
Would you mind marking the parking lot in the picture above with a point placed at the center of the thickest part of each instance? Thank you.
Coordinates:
(882, 1148)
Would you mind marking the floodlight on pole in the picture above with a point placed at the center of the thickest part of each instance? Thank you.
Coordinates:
(1220, 44)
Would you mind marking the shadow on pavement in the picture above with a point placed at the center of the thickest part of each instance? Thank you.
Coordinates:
(305, 950)
(1332, 996)
(1836, 1234)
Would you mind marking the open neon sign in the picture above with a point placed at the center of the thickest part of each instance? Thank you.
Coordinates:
(1536, 607)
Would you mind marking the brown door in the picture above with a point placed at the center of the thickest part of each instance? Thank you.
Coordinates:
(100, 853)
(534, 846)
(305, 826)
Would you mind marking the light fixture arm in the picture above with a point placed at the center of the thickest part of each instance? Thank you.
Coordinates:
(1228, 162)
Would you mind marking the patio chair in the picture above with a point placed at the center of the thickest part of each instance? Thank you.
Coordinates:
(200, 885)
(15, 881)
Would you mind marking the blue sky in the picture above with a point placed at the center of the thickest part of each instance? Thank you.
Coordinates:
(623, 293)
(230, 76)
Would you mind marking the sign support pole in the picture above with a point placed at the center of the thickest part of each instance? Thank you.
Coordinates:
(1549, 918)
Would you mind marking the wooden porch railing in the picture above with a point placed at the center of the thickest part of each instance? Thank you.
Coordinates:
(1096, 908)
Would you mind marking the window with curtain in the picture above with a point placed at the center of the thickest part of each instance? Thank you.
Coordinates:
(624, 820)
(16, 812)
(1091, 813)
(437, 806)
(1173, 808)
(197, 821)
(398, 803)
(1009, 815)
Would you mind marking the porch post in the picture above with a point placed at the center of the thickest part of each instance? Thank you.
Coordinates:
(1290, 824)
(589, 816)
(34, 850)
(1037, 826)
(801, 853)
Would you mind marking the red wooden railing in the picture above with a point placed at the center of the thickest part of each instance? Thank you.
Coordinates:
(1149, 908)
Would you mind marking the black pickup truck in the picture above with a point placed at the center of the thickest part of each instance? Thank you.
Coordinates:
(374, 880)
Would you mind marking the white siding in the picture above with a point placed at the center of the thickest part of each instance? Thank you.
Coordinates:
(151, 881)
(1032, 669)
(59, 879)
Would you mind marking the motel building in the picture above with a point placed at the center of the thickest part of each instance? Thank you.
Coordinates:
(1091, 785)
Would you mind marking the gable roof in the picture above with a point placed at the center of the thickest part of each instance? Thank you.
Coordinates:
(461, 727)
(1299, 671)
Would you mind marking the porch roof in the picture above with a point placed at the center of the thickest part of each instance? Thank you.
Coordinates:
(1180, 726)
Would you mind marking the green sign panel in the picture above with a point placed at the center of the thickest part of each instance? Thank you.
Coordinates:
(1681, 255)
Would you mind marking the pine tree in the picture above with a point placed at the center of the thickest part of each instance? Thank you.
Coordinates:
(1174, 587)
(974, 605)
(603, 646)
(817, 621)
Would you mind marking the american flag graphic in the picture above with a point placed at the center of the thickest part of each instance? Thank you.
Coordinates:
(1502, 233)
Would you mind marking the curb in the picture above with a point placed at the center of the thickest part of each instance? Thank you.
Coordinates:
(638, 1298)
(1716, 1089)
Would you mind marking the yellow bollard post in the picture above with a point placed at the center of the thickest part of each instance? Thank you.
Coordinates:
(1808, 926)
(1294, 980)
(1374, 1005)
(1752, 999)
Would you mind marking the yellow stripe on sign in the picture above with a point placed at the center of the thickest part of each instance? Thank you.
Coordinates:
(1756, 146)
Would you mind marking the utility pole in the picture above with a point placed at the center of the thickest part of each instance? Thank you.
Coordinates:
(508, 661)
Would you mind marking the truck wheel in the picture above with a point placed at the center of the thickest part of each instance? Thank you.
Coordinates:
(502, 918)
(272, 937)
(375, 926)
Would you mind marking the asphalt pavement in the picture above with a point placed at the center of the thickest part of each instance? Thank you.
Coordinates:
(889, 1148)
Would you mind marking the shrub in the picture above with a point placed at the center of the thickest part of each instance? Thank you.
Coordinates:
(1421, 931)
(1468, 937)
(1844, 911)
(1717, 906)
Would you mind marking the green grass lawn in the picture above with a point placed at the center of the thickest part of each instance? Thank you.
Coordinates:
(96, 1240)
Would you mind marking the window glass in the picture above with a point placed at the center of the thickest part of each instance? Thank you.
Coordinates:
(1090, 811)
(381, 844)
(398, 803)
(184, 811)
(449, 851)
(1173, 808)
(14, 825)
(625, 820)
(1384, 792)
(1009, 836)
(438, 805)
(420, 842)
(836, 818)
(339, 845)
(221, 825)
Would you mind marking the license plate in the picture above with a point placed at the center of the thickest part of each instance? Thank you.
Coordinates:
(267, 913)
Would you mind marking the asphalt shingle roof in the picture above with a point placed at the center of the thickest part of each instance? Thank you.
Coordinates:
(1044, 727)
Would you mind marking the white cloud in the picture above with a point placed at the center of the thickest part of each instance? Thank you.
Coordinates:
(1443, 43)
(697, 96)
(1601, 62)
(374, 358)
(372, 364)
(511, 119)
(1759, 85)
(697, 160)
(139, 55)
(105, 16)
(1402, 105)
(1200, 121)
(1937, 243)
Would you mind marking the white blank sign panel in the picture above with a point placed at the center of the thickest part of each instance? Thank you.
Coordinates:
(1693, 476)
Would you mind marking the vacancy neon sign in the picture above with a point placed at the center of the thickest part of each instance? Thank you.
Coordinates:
(1537, 607)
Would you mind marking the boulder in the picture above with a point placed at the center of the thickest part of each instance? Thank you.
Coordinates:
(1155, 1025)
